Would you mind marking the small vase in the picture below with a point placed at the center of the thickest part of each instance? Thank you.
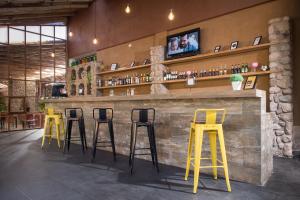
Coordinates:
(236, 85)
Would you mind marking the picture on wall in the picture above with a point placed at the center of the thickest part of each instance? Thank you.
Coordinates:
(257, 40)
(234, 45)
(217, 49)
(114, 66)
(250, 82)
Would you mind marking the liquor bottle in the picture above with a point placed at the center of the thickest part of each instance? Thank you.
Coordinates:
(246, 68)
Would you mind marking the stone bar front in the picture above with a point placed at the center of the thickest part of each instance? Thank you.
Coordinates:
(247, 127)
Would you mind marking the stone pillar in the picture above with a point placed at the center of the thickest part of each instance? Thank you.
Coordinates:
(157, 55)
(281, 83)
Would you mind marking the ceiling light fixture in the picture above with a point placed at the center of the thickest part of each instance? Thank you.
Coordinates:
(95, 40)
(129, 45)
(127, 9)
(52, 55)
(70, 34)
(171, 15)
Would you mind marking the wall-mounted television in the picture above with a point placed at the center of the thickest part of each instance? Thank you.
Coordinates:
(183, 44)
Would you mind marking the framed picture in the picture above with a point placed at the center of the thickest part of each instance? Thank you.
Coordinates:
(250, 82)
(132, 64)
(257, 40)
(146, 61)
(217, 49)
(114, 66)
(234, 45)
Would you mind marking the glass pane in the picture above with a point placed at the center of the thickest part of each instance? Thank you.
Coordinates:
(35, 29)
(32, 38)
(3, 88)
(18, 27)
(32, 74)
(16, 36)
(16, 104)
(18, 88)
(3, 104)
(31, 88)
(61, 32)
(48, 30)
(4, 61)
(3, 34)
(31, 104)
(46, 90)
(60, 55)
(47, 40)
(60, 74)
(48, 74)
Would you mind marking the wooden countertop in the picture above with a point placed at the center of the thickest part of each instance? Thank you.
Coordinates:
(207, 94)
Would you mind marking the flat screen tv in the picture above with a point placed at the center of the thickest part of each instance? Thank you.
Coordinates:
(183, 44)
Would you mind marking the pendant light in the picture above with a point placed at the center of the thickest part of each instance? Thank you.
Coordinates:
(127, 9)
(52, 54)
(70, 32)
(95, 40)
(171, 15)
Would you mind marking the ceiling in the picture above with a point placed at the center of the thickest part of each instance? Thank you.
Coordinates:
(30, 12)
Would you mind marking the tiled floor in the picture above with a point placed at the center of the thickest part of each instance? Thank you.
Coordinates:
(28, 172)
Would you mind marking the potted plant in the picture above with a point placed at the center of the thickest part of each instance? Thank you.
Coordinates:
(236, 81)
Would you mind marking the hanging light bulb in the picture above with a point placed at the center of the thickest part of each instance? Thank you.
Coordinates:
(71, 34)
(127, 9)
(129, 45)
(95, 41)
(171, 15)
(52, 55)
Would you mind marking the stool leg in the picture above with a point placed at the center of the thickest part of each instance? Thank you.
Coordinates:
(131, 141)
(133, 148)
(112, 139)
(154, 145)
(57, 131)
(81, 135)
(69, 134)
(151, 143)
(213, 150)
(197, 157)
(84, 134)
(224, 158)
(66, 136)
(95, 141)
(190, 150)
(50, 132)
(45, 131)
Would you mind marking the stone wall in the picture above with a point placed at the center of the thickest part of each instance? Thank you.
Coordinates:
(281, 85)
(247, 131)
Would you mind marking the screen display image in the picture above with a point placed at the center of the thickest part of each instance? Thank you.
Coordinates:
(183, 43)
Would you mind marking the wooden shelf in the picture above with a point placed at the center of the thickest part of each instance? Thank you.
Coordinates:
(260, 73)
(219, 54)
(124, 69)
(122, 86)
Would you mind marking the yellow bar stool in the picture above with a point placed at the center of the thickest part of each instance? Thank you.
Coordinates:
(53, 118)
(212, 120)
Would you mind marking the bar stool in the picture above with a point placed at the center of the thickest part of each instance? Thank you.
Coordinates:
(105, 116)
(143, 121)
(51, 117)
(75, 115)
(213, 127)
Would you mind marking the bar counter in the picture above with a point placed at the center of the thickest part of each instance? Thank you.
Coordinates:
(247, 127)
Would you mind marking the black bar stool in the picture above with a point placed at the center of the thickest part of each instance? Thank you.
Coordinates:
(140, 118)
(75, 115)
(105, 116)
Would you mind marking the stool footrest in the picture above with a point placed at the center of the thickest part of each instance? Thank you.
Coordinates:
(142, 154)
(141, 148)
(103, 146)
(104, 142)
(208, 159)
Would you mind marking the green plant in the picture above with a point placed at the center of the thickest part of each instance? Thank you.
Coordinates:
(236, 77)
(3, 107)
(42, 106)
